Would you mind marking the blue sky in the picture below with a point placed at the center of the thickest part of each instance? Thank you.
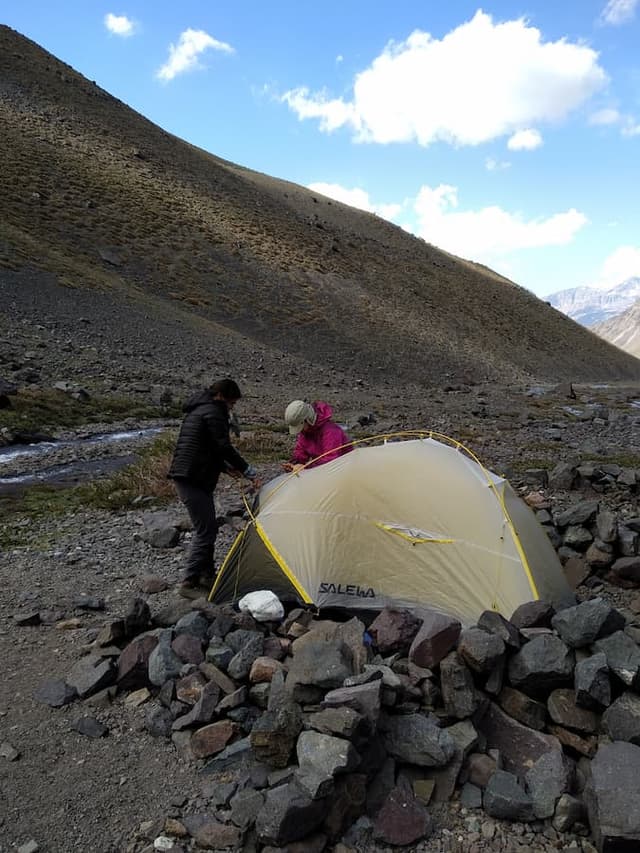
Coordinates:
(508, 133)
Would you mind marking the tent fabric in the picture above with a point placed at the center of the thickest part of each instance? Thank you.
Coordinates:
(414, 523)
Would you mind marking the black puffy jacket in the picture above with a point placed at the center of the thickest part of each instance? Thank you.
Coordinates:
(203, 449)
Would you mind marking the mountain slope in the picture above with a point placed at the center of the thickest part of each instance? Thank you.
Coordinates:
(623, 330)
(105, 200)
(588, 305)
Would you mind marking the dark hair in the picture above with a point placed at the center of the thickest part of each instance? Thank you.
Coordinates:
(227, 389)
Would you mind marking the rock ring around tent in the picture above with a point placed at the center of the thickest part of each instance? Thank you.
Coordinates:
(408, 523)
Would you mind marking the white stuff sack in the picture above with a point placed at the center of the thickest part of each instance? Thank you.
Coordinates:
(263, 605)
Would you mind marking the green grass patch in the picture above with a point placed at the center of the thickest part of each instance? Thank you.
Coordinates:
(145, 478)
(38, 409)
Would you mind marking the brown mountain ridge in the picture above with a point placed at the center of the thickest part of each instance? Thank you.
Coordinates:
(108, 203)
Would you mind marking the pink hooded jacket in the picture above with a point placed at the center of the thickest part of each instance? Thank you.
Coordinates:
(323, 436)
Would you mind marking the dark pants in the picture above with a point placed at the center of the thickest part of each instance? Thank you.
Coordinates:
(202, 512)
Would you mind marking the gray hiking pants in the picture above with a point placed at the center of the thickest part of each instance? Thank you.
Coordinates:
(202, 512)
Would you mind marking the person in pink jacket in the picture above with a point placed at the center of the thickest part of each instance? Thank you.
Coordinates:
(319, 439)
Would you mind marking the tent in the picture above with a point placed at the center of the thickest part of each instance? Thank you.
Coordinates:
(408, 523)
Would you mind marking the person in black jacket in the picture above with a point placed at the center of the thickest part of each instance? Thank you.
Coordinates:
(203, 452)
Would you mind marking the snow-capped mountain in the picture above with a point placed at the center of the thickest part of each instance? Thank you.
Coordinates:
(590, 305)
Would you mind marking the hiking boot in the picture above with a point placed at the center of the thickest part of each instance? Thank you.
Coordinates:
(193, 588)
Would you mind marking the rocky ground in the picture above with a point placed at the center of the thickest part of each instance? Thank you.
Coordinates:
(66, 791)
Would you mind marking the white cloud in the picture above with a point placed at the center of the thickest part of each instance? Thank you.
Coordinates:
(525, 140)
(356, 198)
(621, 264)
(185, 56)
(481, 81)
(119, 25)
(619, 11)
(605, 116)
(630, 127)
(488, 233)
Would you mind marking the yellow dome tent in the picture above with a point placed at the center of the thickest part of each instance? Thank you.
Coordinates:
(407, 523)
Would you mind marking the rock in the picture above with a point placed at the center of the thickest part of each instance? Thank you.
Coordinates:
(581, 513)
(402, 820)
(521, 707)
(533, 614)
(471, 796)
(627, 568)
(417, 739)
(203, 710)
(394, 630)
(90, 674)
(583, 624)
(245, 805)
(325, 755)
(364, 698)
(436, 638)
(564, 711)
(623, 657)
(342, 721)
(323, 663)
(480, 650)
(592, 683)
(90, 727)
(212, 739)
(274, 734)
(9, 752)
(188, 648)
(541, 665)
(27, 618)
(584, 745)
(212, 673)
(137, 698)
(506, 800)
(55, 692)
(519, 746)
(137, 618)
(621, 721)
(568, 811)
(158, 722)
(164, 664)
(465, 738)
(211, 834)
(459, 695)
(262, 669)
(546, 781)
(288, 814)
(218, 654)
(151, 585)
(495, 623)
(346, 804)
(480, 768)
(192, 624)
(30, 847)
(612, 797)
(133, 662)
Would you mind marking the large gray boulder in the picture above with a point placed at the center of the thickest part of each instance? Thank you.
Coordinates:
(623, 657)
(592, 683)
(437, 636)
(580, 625)
(416, 739)
(612, 797)
(621, 721)
(541, 665)
(505, 799)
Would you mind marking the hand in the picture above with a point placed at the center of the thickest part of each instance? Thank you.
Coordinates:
(255, 485)
(293, 468)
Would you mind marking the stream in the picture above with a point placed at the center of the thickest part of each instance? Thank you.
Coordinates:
(70, 461)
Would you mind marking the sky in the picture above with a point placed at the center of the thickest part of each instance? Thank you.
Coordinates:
(507, 133)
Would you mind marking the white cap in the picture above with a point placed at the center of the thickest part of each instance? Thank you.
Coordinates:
(296, 413)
